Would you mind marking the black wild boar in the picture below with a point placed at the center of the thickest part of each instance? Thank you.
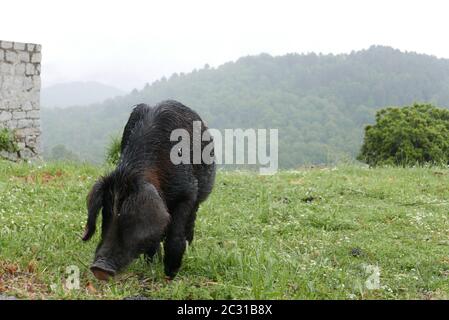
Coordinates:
(148, 198)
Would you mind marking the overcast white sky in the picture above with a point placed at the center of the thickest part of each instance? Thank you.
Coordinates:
(128, 43)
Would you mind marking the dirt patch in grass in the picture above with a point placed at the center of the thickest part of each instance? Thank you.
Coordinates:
(21, 282)
(297, 181)
(43, 177)
(434, 295)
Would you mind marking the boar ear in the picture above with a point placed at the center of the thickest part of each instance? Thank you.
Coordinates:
(94, 204)
(152, 203)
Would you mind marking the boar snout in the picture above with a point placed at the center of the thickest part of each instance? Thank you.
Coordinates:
(102, 270)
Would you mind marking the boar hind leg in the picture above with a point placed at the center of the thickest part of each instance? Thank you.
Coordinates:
(190, 225)
(152, 251)
(175, 240)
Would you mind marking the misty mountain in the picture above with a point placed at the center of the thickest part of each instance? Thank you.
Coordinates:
(77, 94)
(319, 103)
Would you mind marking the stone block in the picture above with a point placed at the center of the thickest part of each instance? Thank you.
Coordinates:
(36, 82)
(29, 69)
(30, 141)
(28, 83)
(20, 68)
(17, 115)
(6, 44)
(22, 133)
(36, 57)
(14, 105)
(32, 114)
(24, 123)
(18, 83)
(24, 56)
(19, 46)
(36, 123)
(11, 56)
(5, 116)
(9, 156)
(26, 153)
(7, 78)
(27, 106)
(11, 124)
(6, 69)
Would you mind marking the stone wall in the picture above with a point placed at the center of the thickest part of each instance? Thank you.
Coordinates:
(20, 68)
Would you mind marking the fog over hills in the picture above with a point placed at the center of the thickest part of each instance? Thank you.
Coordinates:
(319, 103)
(77, 94)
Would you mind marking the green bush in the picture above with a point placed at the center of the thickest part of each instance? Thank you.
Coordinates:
(113, 150)
(411, 135)
(7, 141)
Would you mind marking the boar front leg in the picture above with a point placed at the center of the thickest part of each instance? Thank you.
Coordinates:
(175, 240)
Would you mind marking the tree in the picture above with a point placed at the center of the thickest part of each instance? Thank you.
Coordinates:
(410, 135)
(61, 153)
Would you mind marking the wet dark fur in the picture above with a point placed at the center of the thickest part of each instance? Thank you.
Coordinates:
(147, 199)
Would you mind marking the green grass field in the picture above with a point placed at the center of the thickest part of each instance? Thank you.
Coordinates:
(329, 233)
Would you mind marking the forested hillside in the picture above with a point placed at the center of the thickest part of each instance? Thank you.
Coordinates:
(319, 103)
